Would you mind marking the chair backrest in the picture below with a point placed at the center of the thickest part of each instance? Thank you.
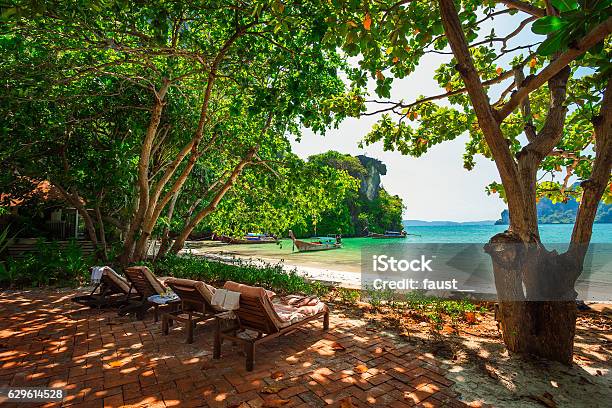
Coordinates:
(194, 293)
(116, 283)
(256, 311)
(137, 275)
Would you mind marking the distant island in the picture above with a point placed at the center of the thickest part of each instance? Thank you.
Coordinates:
(421, 223)
(562, 213)
(368, 209)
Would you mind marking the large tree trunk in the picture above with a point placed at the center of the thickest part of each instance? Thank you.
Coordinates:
(233, 178)
(157, 201)
(165, 238)
(143, 173)
(544, 329)
(535, 287)
(535, 291)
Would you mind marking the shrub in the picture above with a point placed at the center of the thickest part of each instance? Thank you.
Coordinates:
(348, 296)
(49, 265)
(269, 276)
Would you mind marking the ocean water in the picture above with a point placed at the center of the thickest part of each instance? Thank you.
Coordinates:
(549, 233)
(596, 279)
(348, 257)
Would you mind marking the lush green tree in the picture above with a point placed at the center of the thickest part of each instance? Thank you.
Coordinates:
(550, 121)
(358, 214)
(289, 197)
(215, 88)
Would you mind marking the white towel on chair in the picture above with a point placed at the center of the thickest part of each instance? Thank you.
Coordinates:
(232, 300)
(226, 299)
(96, 273)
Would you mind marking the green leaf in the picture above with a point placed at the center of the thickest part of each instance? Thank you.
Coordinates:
(565, 5)
(547, 25)
(554, 43)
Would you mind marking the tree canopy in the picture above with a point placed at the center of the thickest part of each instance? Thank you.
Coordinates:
(161, 96)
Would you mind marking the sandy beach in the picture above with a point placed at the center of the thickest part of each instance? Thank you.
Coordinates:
(342, 269)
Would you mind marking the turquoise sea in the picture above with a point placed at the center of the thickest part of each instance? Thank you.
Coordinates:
(342, 264)
(348, 257)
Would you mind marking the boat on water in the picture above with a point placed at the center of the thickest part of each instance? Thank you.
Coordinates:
(322, 244)
(250, 238)
(389, 234)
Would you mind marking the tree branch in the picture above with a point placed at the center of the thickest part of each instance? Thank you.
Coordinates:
(524, 7)
(594, 187)
(488, 124)
(395, 105)
(534, 82)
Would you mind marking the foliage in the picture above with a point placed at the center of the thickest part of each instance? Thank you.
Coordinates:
(273, 203)
(269, 276)
(355, 213)
(575, 19)
(4, 239)
(391, 39)
(48, 265)
(82, 81)
(348, 296)
(563, 212)
(432, 308)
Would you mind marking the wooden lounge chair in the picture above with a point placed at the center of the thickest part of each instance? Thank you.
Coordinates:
(269, 320)
(111, 290)
(196, 298)
(146, 284)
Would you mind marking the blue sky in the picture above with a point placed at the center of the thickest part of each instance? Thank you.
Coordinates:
(434, 186)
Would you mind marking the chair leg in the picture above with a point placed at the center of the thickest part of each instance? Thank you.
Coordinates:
(165, 323)
(141, 312)
(249, 348)
(326, 321)
(190, 327)
(217, 344)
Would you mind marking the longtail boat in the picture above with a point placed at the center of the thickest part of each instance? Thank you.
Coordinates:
(250, 238)
(323, 244)
(389, 234)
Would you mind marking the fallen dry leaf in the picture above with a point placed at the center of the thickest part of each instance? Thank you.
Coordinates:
(337, 346)
(272, 389)
(542, 399)
(274, 402)
(277, 375)
(361, 368)
(117, 363)
(470, 317)
(347, 402)
(379, 350)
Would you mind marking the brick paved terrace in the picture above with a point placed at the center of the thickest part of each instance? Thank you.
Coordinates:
(105, 360)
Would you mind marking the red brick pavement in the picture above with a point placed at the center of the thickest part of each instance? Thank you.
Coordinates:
(103, 360)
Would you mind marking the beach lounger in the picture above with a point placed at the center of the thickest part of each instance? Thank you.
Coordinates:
(267, 319)
(110, 290)
(146, 284)
(196, 298)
